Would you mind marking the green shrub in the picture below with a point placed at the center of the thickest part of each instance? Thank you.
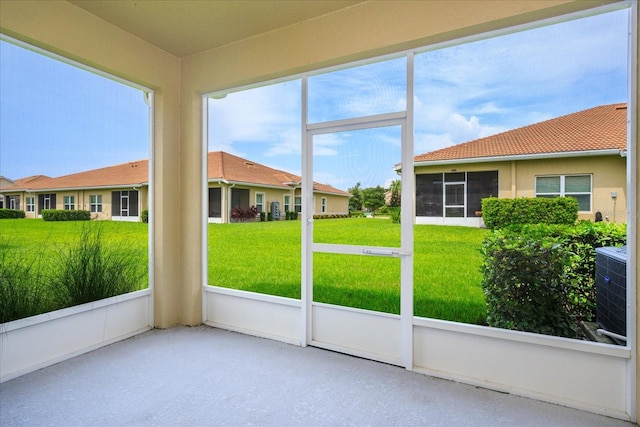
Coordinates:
(499, 213)
(65, 215)
(395, 215)
(293, 215)
(11, 214)
(90, 270)
(269, 216)
(145, 216)
(263, 216)
(519, 254)
(525, 284)
(356, 214)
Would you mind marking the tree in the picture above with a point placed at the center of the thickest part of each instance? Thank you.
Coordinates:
(355, 202)
(373, 198)
(396, 190)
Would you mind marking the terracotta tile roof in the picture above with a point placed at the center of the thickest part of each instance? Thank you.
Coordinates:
(29, 179)
(122, 175)
(225, 166)
(595, 129)
(222, 166)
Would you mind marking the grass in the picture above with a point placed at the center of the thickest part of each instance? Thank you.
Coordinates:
(265, 257)
(46, 266)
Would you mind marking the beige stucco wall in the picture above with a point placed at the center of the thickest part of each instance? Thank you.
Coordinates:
(517, 179)
(609, 174)
(335, 205)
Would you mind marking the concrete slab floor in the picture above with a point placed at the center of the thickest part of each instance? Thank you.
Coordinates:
(204, 376)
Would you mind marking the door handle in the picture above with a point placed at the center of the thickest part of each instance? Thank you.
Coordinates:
(385, 252)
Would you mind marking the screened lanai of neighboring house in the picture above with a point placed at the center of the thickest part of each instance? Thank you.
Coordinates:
(187, 54)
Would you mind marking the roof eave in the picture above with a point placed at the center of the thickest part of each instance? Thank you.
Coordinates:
(558, 155)
(56, 189)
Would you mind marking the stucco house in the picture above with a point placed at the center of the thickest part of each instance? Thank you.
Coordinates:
(237, 182)
(4, 182)
(120, 192)
(582, 155)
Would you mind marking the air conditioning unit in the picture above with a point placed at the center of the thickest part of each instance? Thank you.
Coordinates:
(275, 210)
(611, 292)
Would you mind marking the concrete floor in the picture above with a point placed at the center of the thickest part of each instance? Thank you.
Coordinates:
(208, 377)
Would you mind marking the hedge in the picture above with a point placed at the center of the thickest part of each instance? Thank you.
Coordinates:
(541, 278)
(11, 213)
(65, 215)
(499, 213)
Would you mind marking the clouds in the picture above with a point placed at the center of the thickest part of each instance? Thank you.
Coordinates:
(478, 89)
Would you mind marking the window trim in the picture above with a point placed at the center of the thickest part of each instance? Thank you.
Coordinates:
(69, 203)
(260, 206)
(563, 192)
(95, 205)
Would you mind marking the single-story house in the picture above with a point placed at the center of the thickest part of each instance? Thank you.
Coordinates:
(4, 183)
(582, 155)
(120, 192)
(234, 182)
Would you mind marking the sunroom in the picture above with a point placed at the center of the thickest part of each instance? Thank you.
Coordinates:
(194, 60)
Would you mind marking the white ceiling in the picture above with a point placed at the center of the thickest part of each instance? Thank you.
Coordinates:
(187, 27)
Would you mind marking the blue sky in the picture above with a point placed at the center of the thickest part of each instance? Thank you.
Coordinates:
(56, 119)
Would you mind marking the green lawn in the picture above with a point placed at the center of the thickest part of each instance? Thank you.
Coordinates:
(25, 237)
(46, 266)
(265, 257)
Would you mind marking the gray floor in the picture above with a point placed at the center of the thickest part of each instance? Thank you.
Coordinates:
(205, 377)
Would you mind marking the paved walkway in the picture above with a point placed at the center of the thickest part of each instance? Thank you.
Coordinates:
(208, 377)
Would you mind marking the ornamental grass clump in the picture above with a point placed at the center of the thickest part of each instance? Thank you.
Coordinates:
(93, 268)
(23, 285)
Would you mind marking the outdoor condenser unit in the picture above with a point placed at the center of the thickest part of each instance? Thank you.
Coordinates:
(275, 210)
(611, 292)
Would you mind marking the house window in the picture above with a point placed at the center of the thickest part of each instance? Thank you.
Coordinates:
(323, 205)
(298, 204)
(455, 194)
(95, 203)
(260, 202)
(31, 204)
(69, 203)
(576, 186)
(287, 202)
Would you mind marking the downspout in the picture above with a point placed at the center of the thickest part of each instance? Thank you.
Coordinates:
(139, 202)
(514, 184)
(229, 207)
